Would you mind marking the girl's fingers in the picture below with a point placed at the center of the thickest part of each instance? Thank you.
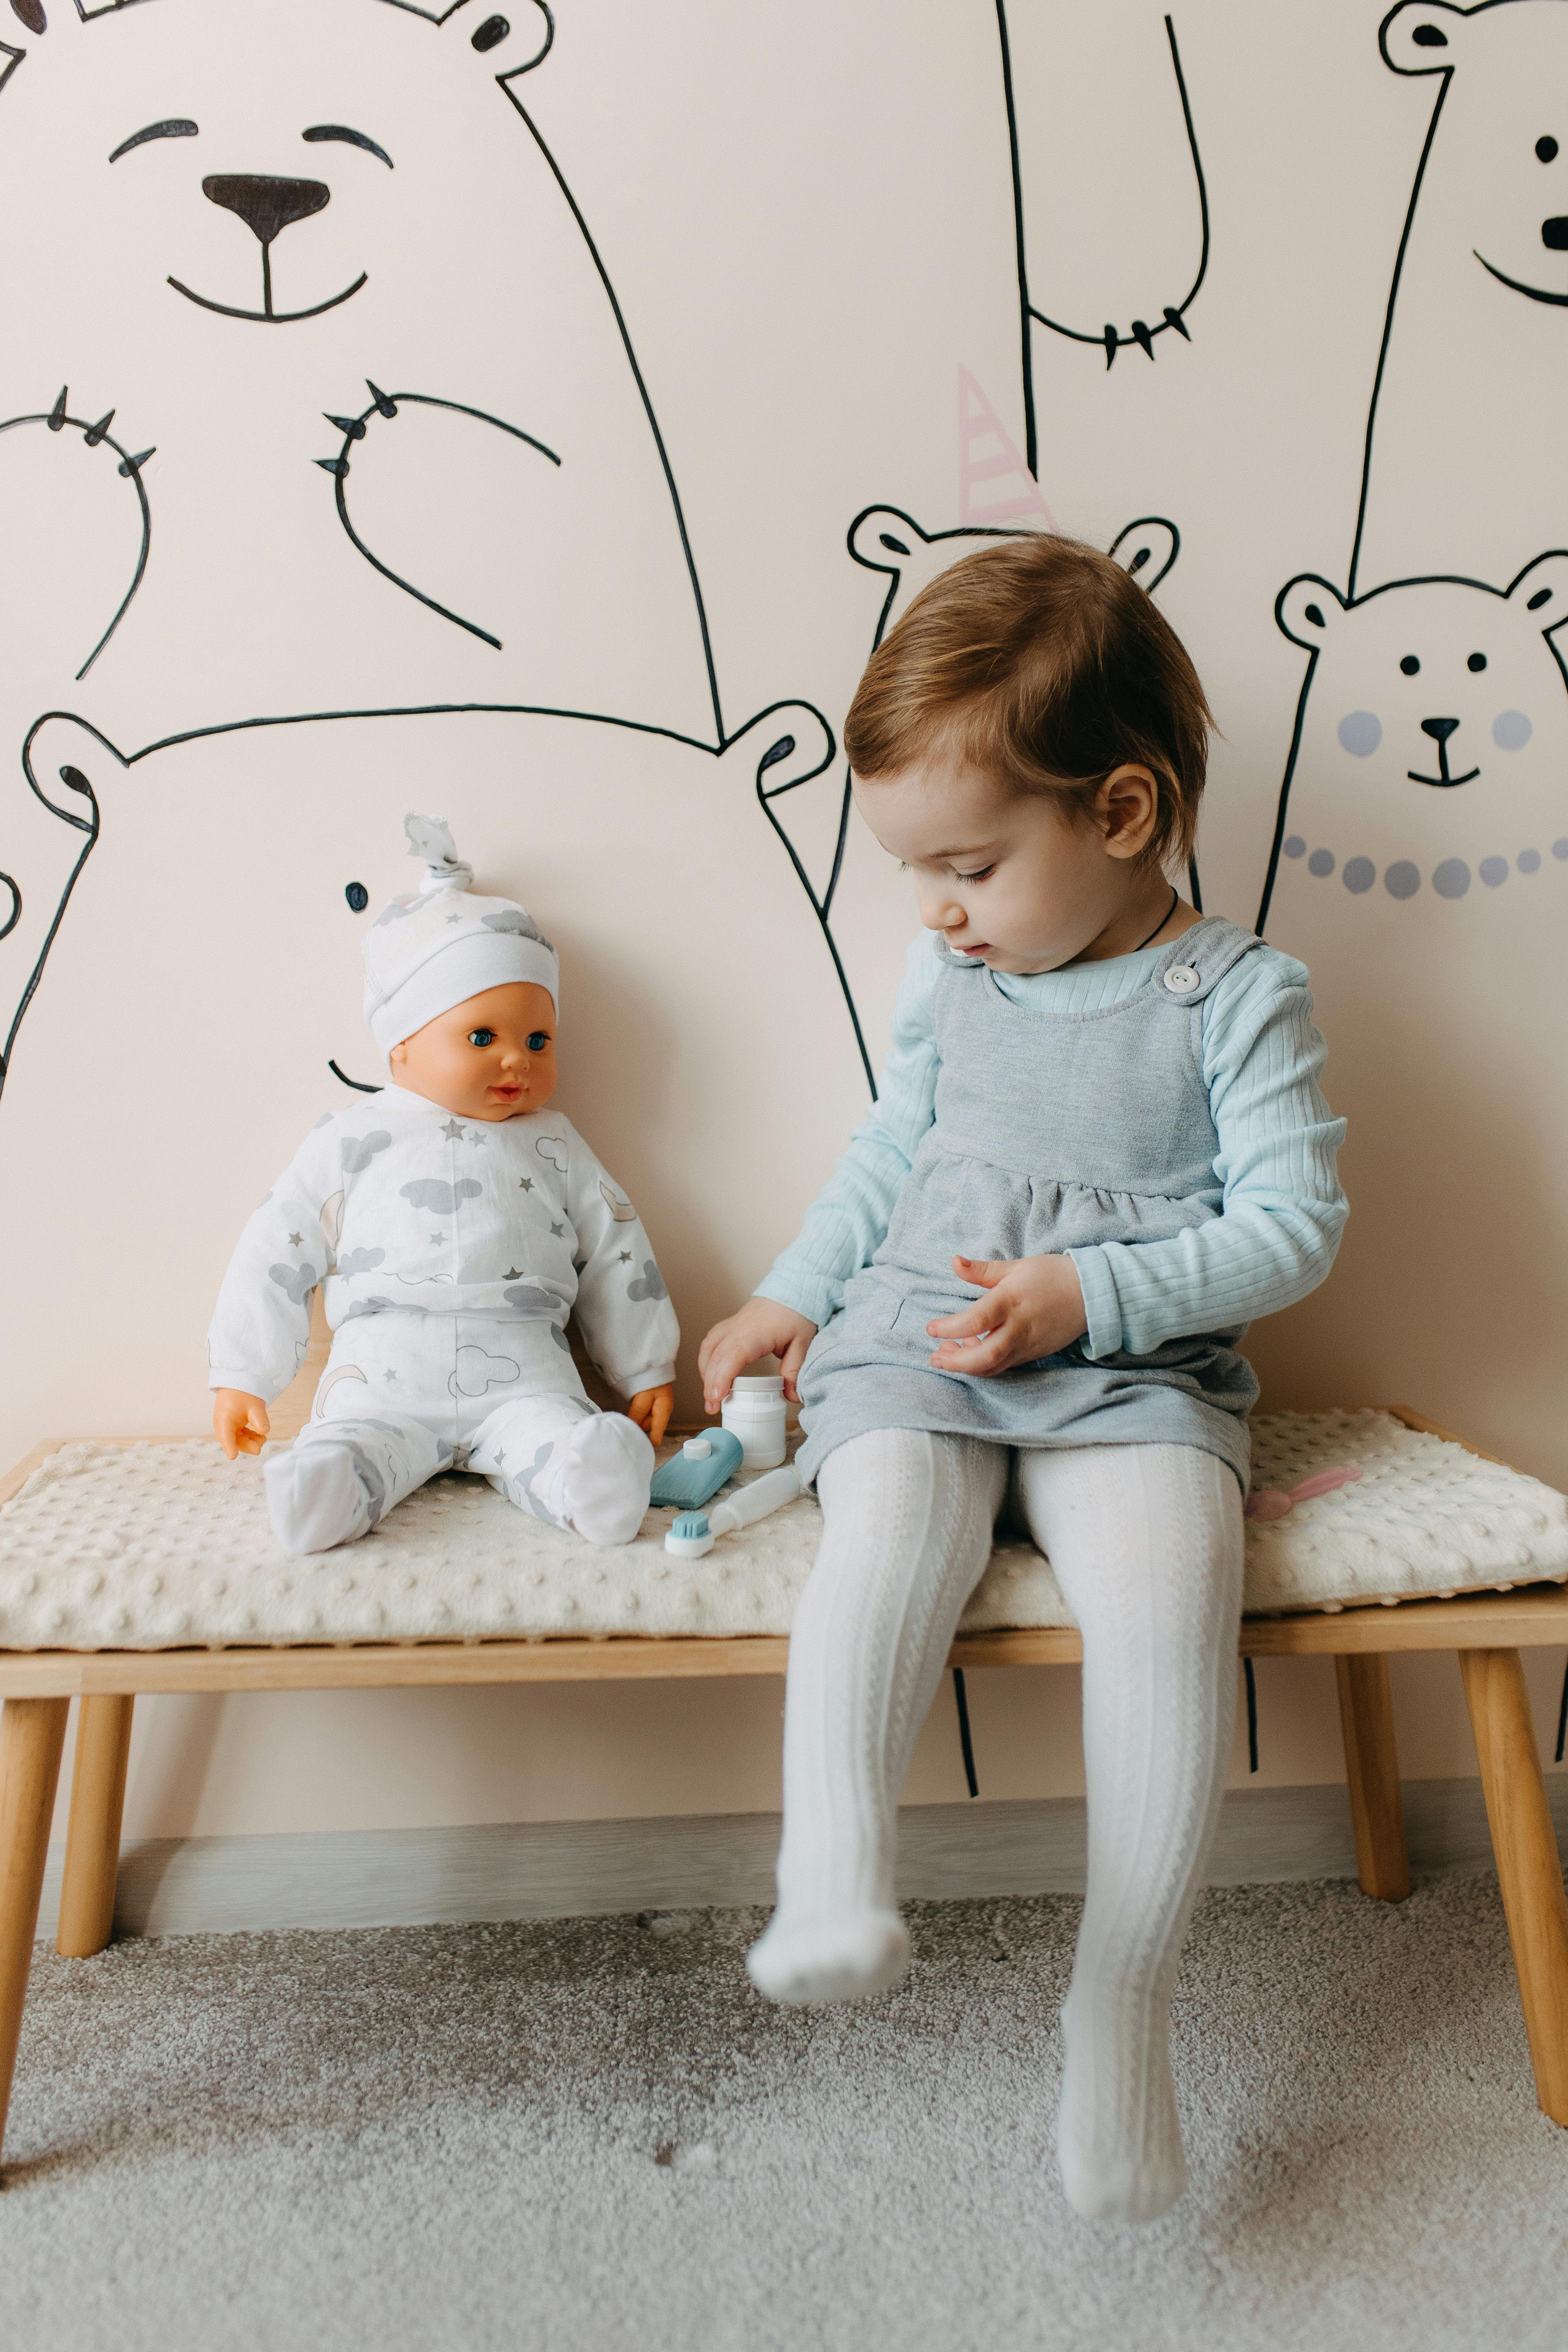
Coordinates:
(993, 1355)
(722, 1368)
(790, 1363)
(986, 1315)
(983, 1270)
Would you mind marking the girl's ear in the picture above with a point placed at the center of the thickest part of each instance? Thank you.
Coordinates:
(1125, 807)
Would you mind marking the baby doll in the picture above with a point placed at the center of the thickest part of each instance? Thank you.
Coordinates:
(456, 1222)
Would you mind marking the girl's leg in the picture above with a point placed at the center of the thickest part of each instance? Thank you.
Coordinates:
(908, 1520)
(564, 1461)
(1146, 1542)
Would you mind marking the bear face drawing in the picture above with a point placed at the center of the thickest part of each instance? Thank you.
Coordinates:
(399, 448)
(1467, 386)
(1421, 875)
(1429, 772)
(1499, 192)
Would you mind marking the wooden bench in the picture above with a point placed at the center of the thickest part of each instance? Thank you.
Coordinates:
(1488, 1631)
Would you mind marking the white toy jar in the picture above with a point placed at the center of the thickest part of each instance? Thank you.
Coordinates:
(755, 1412)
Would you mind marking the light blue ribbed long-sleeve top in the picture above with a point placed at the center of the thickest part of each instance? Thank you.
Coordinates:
(1280, 1209)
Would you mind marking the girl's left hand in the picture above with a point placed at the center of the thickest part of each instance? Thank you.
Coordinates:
(1034, 1308)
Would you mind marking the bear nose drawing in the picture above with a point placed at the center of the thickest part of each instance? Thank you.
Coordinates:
(265, 205)
(1439, 730)
(1554, 233)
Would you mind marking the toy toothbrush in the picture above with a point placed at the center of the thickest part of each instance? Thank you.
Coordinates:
(698, 1471)
(695, 1532)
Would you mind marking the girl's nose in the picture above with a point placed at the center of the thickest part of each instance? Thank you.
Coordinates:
(938, 912)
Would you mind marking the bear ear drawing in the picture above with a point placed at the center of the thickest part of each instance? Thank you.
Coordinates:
(884, 538)
(1306, 609)
(1147, 548)
(514, 42)
(1422, 37)
(1541, 591)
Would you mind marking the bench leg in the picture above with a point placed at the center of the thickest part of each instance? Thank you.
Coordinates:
(1371, 1766)
(1529, 1870)
(92, 1841)
(32, 1735)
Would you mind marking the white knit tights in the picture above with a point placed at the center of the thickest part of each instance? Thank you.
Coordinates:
(1146, 1542)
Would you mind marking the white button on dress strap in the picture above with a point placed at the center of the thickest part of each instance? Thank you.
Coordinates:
(1180, 980)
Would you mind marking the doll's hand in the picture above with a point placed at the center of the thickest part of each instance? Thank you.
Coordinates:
(239, 1421)
(1033, 1306)
(651, 1409)
(762, 1327)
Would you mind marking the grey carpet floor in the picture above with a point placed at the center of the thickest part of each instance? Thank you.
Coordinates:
(590, 2134)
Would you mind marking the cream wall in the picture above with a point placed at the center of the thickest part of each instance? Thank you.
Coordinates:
(806, 220)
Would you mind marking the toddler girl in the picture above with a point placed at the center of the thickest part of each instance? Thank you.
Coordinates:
(1099, 1148)
(456, 1222)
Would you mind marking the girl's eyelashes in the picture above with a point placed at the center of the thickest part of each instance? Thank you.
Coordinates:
(481, 1036)
(981, 873)
(537, 1041)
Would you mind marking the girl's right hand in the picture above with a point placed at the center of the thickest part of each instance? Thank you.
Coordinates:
(762, 1327)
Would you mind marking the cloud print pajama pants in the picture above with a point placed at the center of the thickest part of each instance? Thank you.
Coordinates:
(406, 1394)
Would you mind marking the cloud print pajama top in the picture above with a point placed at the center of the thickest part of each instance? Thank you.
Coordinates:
(452, 1252)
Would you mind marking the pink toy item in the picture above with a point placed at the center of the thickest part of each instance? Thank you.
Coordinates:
(1269, 1503)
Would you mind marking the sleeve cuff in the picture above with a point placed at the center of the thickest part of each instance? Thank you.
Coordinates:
(811, 1295)
(657, 1376)
(247, 1382)
(1100, 1304)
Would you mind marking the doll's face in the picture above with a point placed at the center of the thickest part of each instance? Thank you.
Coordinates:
(491, 1058)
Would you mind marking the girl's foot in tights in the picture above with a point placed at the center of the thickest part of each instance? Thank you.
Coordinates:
(907, 1522)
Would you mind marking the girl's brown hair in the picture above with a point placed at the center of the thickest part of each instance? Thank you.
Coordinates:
(1041, 663)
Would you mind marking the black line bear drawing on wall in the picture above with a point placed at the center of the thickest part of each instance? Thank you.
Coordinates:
(1109, 203)
(1428, 750)
(359, 251)
(390, 442)
(1419, 863)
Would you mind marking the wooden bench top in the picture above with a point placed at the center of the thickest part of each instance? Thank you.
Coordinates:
(1531, 1617)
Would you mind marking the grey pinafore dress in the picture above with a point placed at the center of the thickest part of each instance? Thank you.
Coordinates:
(1052, 1132)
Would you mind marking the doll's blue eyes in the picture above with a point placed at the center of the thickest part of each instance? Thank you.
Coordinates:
(537, 1041)
(481, 1036)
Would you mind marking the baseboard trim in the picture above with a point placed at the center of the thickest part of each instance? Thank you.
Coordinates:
(549, 1870)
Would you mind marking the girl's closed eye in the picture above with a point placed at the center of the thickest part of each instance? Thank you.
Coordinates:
(981, 873)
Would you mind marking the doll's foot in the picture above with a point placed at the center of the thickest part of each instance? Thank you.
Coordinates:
(314, 1499)
(845, 1958)
(1120, 2154)
(599, 1486)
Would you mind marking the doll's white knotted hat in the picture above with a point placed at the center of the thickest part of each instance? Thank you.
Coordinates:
(438, 946)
